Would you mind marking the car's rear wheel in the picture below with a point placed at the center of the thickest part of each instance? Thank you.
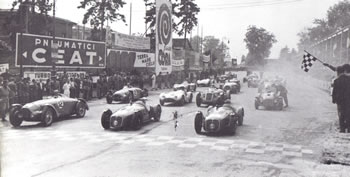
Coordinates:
(182, 101)
(14, 119)
(198, 100)
(234, 128)
(109, 98)
(240, 120)
(158, 113)
(256, 104)
(131, 97)
(198, 121)
(191, 97)
(80, 109)
(105, 119)
(280, 105)
(161, 102)
(47, 117)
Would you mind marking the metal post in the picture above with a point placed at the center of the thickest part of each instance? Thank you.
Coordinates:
(130, 18)
(53, 38)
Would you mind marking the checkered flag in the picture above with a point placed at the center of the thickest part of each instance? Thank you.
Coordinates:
(307, 62)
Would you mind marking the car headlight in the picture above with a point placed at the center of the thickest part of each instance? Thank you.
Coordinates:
(115, 123)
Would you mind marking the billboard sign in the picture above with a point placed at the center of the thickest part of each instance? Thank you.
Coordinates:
(163, 37)
(4, 67)
(42, 51)
(131, 42)
(128, 60)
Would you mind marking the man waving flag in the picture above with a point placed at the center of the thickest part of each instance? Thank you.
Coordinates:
(307, 62)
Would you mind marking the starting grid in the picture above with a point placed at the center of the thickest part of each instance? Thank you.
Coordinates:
(153, 140)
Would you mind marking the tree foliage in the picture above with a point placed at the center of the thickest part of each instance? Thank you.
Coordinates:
(258, 42)
(99, 12)
(217, 48)
(338, 17)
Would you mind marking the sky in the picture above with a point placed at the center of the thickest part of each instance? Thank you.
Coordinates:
(227, 20)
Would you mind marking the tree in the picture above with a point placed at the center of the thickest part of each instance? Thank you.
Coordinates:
(339, 15)
(31, 16)
(217, 48)
(284, 53)
(258, 42)
(100, 11)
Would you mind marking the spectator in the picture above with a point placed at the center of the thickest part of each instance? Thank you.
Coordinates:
(13, 91)
(4, 98)
(154, 81)
(72, 88)
(341, 97)
(66, 88)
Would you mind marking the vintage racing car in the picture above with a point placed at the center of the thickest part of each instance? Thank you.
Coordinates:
(190, 86)
(253, 81)
(180, 96)
(211, 96)
(219, 119)
(132, 116)
(47, 110)
(269, 98)
(233, 85)
(126, 94)
(204, 82)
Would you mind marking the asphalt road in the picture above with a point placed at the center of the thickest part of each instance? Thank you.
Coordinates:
(270, 143)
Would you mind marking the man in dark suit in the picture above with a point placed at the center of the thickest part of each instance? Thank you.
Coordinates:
(341, 97)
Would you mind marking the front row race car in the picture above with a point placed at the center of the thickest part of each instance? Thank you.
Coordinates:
(47, 110)
(130, 117)
(222, 119)
(180, 96)
(211, 96)
(204, 82)
(233, 85)
(126, 94)
(189, 86)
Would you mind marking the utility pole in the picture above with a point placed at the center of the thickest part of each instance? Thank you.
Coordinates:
(130, 18)
(53, 57)
(186, 64)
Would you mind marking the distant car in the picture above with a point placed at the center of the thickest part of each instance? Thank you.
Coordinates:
(131, 116)
(219, 119)
(211, 96)
(269, 99)
(189, 86)
(233, 85)
(180, 96)
(126, 94)
(253, 81)
(204, 82)
(222, 78)
(47, 110)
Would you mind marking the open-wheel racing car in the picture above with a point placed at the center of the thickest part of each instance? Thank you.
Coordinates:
(204, 82)
(269, 98)
(189, 86)
(219, 119)
(126, 94)
(233, 85)
(180, 96)
(47, 110)
(211, 96)
(132, 116)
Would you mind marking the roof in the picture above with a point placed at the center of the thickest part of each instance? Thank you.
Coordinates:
(179, 43)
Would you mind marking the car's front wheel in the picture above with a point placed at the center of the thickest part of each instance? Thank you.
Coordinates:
(256, 104)
(47, 117)
(109, 98)
(105, 119)
(182, 101)
(198, 100)
(137, 121)
(80, 109)
(161, 102)
(14, 119)
(198, 121)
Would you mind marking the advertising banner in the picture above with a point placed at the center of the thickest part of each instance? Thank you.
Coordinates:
(178, 62)
(132, 42)
(127, 60)
(42, 51)
(44, 75)
(4, 67)
(163, 36)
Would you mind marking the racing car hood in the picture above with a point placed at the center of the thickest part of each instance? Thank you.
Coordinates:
(36, 105)
(178, 94)
(267, 95)
(128, 110)
(213, 90)
(217, 113)
(204, 81)
(122, 92)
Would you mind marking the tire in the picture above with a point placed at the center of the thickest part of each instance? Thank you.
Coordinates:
(137, 122)
(80, 109)
(280, 106)
(156, 112)
(229, 95)
(234, 128)
(105, 119)
(131, 97)
(14, 120)
(198, 121)
(161, 102)
(198, 100)
(256, 104)
(47, 116)
(240, 120)
(190, 100)
(182, 101)
(109, 98)
(145, 93)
